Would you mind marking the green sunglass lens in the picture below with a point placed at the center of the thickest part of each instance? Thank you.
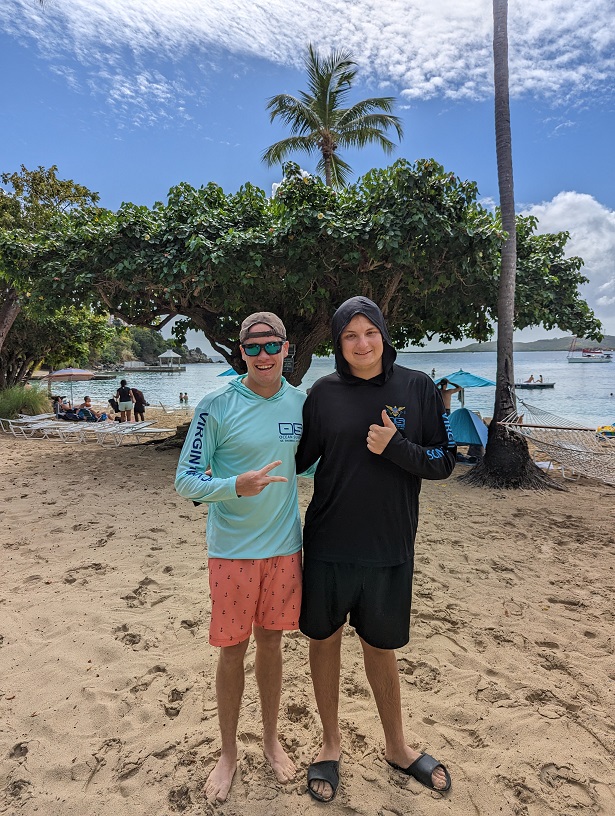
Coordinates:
(254, 349)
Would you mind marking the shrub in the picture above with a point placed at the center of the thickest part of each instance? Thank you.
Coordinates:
(19, 400)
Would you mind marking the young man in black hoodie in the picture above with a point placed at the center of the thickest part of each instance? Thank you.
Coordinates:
(377, 429)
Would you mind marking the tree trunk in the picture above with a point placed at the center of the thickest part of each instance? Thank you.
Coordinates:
(328, 175)
(507, 462)
(9, 310)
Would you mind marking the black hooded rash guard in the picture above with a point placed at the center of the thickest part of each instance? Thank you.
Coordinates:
(365, 506)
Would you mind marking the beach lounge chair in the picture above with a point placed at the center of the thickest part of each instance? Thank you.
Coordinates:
(148, 433)
(22, 427)
(44, 429)
(115, 433)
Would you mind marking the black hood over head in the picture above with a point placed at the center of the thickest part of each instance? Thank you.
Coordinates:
(342, 317)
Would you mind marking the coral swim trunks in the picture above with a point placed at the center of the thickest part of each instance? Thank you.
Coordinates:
(264, 591)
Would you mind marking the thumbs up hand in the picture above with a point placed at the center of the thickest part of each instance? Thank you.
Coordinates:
(379, 436)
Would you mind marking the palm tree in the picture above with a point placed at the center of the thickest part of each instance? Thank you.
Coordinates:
(505, 397)
(319, 121)
(507, 462)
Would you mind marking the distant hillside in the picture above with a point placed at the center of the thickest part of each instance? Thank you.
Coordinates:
(554, 344)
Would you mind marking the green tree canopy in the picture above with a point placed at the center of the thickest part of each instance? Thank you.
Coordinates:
(321, 124)
(29, 202)
(65, 337)
(148, 344)
(411, 237)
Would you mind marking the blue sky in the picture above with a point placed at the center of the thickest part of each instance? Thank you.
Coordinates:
(131, 97)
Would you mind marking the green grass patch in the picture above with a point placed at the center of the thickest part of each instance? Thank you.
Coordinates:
(19, 400)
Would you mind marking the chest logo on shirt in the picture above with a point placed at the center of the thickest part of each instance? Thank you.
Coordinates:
(397, 415)
(290, 431)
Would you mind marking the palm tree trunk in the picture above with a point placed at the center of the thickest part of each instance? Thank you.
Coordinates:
(507, 462)
(504, 399)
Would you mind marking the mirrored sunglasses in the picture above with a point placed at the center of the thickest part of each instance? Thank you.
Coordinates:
(254, 349)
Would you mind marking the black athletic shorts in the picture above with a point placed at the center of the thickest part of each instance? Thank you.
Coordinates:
(378, 600)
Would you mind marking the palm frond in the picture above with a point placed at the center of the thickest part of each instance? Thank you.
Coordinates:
(294, 112)
(330, 78)
(362, 135)
(367, 110)
(340, 171)
(280, 151)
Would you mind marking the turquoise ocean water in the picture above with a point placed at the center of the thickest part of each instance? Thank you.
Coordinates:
(582, 392)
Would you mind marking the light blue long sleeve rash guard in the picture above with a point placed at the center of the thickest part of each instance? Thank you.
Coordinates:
(235, 430)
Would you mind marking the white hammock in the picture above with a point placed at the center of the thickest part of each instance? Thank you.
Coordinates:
(583, 450)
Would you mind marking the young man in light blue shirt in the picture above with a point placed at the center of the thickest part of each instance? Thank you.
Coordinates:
(239, 457)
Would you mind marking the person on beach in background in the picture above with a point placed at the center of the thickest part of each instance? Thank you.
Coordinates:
(139, 406)
(181, 396)
(60, 405)
(88, 412)
(376, 429)
(447, 393)
(239, 457)
(125, 399)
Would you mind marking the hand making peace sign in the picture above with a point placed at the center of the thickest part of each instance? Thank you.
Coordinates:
(253, 482)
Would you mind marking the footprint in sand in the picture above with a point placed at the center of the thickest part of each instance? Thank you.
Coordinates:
(191, 626)
(492, 693)
(135, 640)
(420, 674)
(146, 592)
(86, 571)
(19, 790)
(572, 790)
(148, 678)
(179, 798)
(173, 707)
(300, 713)
(19, 751)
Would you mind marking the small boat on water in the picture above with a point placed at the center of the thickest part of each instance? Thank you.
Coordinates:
(535, 385)
(588, 355)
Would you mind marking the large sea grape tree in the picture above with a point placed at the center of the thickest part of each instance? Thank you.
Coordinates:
(412, 237)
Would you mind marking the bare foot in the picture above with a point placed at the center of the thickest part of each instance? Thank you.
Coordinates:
(282, 765)
(407, 757)
(220, 779)
(319, 786)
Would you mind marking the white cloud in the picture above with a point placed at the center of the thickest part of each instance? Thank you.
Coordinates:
(558, 49)
(592, 237)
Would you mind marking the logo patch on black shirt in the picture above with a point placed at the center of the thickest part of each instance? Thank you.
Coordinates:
(397, 415)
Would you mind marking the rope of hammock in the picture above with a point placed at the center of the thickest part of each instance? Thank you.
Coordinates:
(580, 449)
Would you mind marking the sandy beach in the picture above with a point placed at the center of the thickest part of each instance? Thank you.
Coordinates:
(106, 674)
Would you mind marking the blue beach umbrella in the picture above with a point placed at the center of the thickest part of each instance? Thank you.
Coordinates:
(230, 372)
(465, 380)
(467, 428)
